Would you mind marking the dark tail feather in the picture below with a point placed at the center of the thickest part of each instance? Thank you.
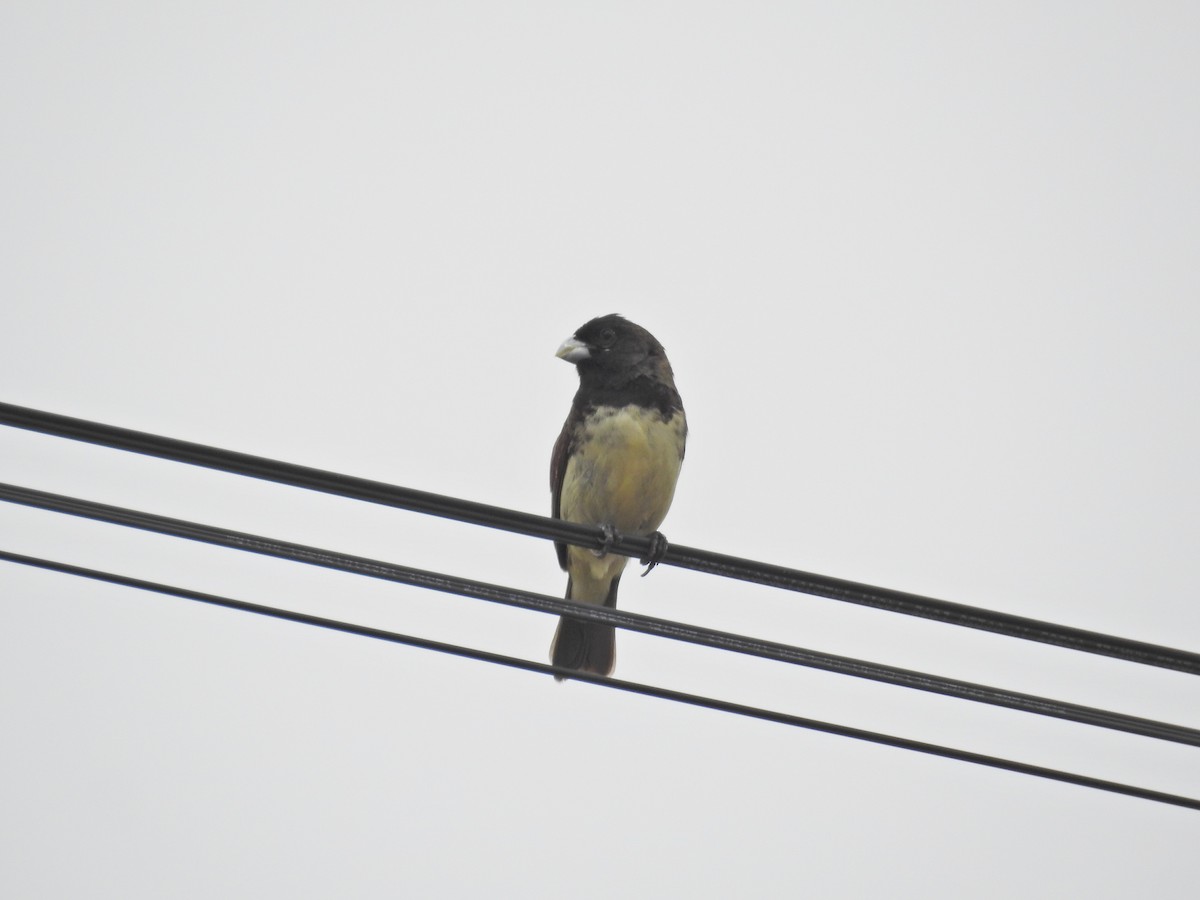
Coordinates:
(585, 646)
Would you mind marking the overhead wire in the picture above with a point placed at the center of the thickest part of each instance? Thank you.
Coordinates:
(616, 684)
(569, 532)
(542, 603)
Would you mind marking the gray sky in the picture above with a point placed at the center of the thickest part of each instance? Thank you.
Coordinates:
(927, 276)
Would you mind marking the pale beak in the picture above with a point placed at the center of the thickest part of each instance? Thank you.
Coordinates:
(573, 351)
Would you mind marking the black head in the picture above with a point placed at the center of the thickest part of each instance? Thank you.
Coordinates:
(612, 344)
(615, 358)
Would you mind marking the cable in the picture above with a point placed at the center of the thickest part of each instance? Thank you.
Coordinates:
(632, 621)
(586, 536)
(618, 684)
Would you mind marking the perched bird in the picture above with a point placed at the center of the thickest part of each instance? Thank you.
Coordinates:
(615, 466)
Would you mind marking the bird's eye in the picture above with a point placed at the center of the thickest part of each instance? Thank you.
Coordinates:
(607, 338)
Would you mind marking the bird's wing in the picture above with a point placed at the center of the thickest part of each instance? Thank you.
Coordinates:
(558, 470)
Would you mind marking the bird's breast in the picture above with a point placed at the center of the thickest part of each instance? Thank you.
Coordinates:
(623, 468)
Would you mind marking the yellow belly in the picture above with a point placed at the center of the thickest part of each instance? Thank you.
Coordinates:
(623, 470)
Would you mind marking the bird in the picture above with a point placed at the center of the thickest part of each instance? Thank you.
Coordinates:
(615, 466)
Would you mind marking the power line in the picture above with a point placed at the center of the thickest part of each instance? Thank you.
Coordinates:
(618, 684)
(542, 603)
(586, 536)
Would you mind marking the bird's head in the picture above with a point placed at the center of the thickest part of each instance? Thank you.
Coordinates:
(613, 347)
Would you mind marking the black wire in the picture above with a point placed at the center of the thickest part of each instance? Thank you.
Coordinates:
(586, 536)
(540, 602)
(631, 686)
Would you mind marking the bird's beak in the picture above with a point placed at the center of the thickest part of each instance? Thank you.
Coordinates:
(573, 351)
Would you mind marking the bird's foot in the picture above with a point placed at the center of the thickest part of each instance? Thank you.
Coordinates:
(611, 536)
(658, 550)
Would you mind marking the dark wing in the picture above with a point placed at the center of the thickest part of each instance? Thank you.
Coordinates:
(558, 470)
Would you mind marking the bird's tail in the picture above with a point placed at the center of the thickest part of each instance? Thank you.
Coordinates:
(586, 646)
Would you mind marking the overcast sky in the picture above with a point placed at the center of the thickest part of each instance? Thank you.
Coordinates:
(927, 274)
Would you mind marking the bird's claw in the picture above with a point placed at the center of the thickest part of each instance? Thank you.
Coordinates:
(658, 550)
(606, 542)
